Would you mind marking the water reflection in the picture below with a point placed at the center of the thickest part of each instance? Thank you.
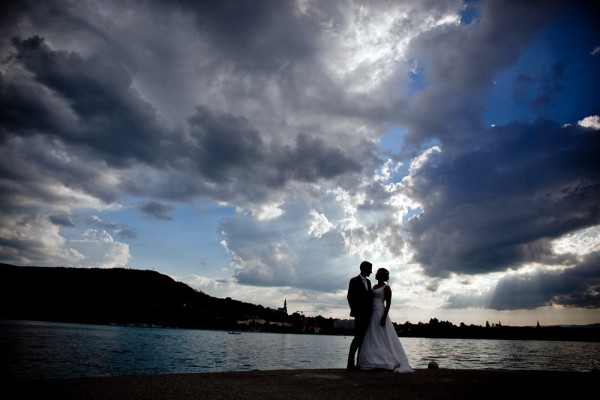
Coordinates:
(39, 350)
(503, 354)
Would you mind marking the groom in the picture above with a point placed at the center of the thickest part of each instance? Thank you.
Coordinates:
(360, 298)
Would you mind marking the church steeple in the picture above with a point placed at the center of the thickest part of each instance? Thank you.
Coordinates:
(284, 308)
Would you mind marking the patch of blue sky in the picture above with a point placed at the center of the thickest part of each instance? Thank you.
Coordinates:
(393, 139)
(70, 233)
(187, 244)
(553, 79)
(391, 144)
(416, 79)
(412, 212)
(392, 148)
(470, 11)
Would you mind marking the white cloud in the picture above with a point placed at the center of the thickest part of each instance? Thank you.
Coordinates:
(308, 302)
(320, 225)
(592, 121)
(265, 211)
(582, 242)
(34, 241)
(41, 243)
(368, 44)
(99, 250)
(419, 161)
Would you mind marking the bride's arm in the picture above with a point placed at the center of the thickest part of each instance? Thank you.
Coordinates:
(388, 302)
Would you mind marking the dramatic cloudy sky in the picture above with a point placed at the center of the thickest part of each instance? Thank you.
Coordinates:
(262, 149)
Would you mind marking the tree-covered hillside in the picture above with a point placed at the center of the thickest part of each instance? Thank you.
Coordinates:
(121, 296)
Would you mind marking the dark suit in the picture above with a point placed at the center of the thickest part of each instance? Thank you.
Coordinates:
(360, 300)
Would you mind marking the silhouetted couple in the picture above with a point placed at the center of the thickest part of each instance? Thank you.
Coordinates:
(375, 338)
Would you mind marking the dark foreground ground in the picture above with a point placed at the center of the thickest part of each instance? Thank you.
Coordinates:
(320, 385)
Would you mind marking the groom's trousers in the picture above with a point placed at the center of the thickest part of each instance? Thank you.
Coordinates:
(360, 328)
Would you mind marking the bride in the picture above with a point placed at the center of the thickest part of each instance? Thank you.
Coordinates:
(381, 348)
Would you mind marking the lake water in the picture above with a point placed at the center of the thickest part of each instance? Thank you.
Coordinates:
(43, 350)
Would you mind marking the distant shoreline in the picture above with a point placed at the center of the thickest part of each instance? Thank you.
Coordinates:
(577, 333)
(322, 384)
(149, 298)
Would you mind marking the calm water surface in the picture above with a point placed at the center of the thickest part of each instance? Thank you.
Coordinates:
(42, 350)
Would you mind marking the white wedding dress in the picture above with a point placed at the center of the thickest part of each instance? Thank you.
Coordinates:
(381, 347)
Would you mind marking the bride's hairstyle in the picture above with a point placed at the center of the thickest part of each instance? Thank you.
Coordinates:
(382, 274)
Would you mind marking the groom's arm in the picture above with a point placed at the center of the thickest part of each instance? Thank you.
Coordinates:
(354, 296)
(351, 297)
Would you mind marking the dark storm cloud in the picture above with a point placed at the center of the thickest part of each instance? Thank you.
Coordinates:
(585, 281)
(278, 43)
(156, 210)
(461, 62)
(62, 220)
(575, 287)
(11, 13)
(501, 204)
(112, 122)
(15, 14)
(224, 144)
(87, 108)
(494, 198)
(34, 167)
(227, 150)
(264, 35)
(312, 158)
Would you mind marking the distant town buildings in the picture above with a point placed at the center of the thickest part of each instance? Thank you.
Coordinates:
(343, 324)
(256, 324)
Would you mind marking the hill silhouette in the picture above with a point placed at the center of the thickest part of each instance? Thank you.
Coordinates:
(116, 296)
(149, 298)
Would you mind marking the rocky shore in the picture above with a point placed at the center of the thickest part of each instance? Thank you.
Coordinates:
(320, 384)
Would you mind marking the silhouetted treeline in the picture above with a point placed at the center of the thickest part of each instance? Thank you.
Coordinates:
(149, 298)
(445, 329)
(116, 296)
